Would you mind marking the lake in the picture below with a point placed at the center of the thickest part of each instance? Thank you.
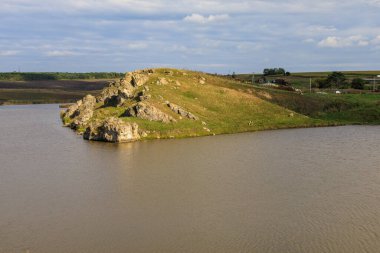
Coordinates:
(298, 190)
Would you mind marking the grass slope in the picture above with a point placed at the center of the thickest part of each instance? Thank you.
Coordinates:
(222, 105)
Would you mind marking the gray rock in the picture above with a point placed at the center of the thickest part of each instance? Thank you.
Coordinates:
(112, 130)
(162, 81)
(179, 110)
(142, 96)
(107, 92)
(120, 98)
(139, 79)
(81, 112)
(148, 112)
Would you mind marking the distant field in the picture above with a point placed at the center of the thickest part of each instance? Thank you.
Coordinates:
(55, 84)
(32, 76)
(47, 91)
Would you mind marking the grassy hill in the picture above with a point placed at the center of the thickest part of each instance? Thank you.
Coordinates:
(224, 105)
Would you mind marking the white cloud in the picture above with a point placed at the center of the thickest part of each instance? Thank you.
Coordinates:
(331, 41)
(60, 53)
(9, 52)
(339, 42)
(200, 19)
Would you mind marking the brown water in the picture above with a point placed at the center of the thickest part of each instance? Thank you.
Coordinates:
(303, 190)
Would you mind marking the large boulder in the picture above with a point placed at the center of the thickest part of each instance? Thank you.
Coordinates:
(179, 110)
(112, 130)
(142, 95)
(81, 112)
(139, 79)
(148, 112)
(118, 100)
(123, 86)
(107, 93)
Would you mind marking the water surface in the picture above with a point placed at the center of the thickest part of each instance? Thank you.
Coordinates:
(300, 190)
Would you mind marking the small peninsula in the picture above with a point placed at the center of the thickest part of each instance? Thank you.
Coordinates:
(172, 103)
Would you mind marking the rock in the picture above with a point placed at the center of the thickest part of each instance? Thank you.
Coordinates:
(206, 129)
(202, 80)
(119, 99)
(81, 111)
(141, 96)
(114, 88)
(148, 112)
(139, 79)
(179, 110)
(112, 130)
(291, 114)
(162, 81)
(69, 112)
(106, 93)
(177, 83)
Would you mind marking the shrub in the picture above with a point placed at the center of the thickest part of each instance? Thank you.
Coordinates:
(357, 83)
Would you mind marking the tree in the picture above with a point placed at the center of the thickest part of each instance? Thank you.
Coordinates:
(357, 83)
(274, 71)
(322, 83)
(233, 75)
(336, 79)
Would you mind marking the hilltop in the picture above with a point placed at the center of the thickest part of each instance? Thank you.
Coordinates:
(172, 103)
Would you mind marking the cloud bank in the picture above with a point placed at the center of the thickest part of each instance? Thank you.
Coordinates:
(211, 35)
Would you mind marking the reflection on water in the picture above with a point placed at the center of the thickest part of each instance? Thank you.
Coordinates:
(304, 190)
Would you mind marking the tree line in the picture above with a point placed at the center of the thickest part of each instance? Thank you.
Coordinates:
(339, 81)
(275, 71)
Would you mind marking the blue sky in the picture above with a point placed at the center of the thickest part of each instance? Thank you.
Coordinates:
(210, 35)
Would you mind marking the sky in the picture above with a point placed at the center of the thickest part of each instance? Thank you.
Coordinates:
(216, 36)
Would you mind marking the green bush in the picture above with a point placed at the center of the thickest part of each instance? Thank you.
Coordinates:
(357, 83)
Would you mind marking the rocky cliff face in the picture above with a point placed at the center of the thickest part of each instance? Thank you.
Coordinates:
(132, 94)
(112, 130)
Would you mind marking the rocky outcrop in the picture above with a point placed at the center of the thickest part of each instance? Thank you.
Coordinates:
(81, 112)
(107, 92)
(179, 110)
(148, 112)
(118, 100)
(139, 79)
(125, 88)
(142, 96)
(107, 124)
(112, 130)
